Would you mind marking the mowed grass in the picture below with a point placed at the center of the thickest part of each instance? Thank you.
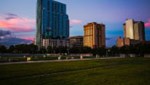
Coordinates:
(127, 71)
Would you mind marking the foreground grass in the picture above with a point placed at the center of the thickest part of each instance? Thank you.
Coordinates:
(129, 71)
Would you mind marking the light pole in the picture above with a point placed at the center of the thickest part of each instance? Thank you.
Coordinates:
(68, 51)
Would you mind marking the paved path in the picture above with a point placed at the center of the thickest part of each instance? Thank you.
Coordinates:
(67, 60)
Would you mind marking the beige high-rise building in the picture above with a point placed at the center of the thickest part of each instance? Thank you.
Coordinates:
(94, 35)
(134, 33)
(134, 30)
(129, 27)
(139, 31)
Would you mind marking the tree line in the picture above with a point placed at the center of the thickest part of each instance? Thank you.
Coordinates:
(139, 49)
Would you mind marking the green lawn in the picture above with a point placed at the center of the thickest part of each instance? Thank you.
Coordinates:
(128, 71)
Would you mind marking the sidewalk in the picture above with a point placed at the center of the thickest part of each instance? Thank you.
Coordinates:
(66, 60)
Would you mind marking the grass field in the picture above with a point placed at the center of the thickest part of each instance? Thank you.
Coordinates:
(127, 71)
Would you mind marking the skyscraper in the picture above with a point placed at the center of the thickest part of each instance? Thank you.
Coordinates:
(52, 22)
(134, 33)
(134, 30)
(94, 35)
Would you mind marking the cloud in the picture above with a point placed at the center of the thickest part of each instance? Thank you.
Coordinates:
(31, 38)
(147, 24)
(15, 23)
(75, 22)
(9, 16)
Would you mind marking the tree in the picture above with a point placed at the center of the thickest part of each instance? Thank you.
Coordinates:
(49, 49)
(100, 51)
(60, 49)
(85, 50)
(114, 51)
(42, 50)
(11, 49)
(147, 48)
(32, 48)
(74, 50)
(3, 49)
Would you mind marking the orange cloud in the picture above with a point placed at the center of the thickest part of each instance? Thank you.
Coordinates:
(147, 24)
(17, 24)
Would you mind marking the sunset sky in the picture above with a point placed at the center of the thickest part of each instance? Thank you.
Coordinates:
(19, 16)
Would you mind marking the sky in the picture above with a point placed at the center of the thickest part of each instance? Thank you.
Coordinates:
(19, 16)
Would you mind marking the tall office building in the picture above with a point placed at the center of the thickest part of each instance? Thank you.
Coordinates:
(94, 35)
(134, 33)
(134, 30)
(52, 22)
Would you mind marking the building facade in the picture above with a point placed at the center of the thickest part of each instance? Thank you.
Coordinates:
(120, 42)
(134, 33)
(52, 21)
(126, 42)
(76, 41)
(55, 43)
(94, 35)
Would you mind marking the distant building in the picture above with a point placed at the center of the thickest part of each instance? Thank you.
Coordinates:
(134, 30)
(55, 43)
(120, 42)
(52, 22)
(76, 41)
(46, 43)
(94, 35)
(126, 42)
(134, 33)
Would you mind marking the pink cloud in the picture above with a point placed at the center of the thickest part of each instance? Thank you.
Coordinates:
(147, 24)
(32, 38)
(17, 24)
(75, 22)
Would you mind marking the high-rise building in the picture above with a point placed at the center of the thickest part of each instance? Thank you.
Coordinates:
(94, 35)
(139, 31)
(52, 21)
(134, 33)
(134, 30)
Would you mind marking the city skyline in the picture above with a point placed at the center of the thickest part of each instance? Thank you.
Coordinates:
(134, 33)
(80, 13)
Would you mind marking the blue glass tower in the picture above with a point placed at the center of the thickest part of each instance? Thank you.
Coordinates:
(52, 21)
